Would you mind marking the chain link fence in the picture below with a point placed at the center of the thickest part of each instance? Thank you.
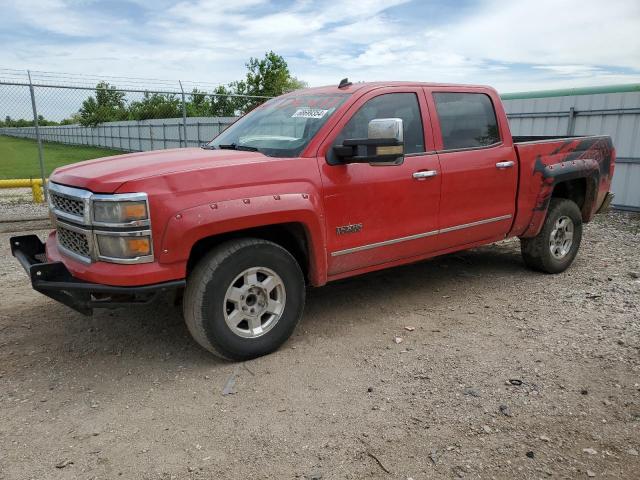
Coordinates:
(131, 135)
(50, 110)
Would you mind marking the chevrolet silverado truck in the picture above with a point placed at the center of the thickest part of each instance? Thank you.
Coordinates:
(311, 187)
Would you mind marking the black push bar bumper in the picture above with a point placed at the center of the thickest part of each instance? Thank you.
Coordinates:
(55, 281)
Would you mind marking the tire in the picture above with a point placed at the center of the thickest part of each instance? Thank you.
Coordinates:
(230, 282)
(537, 251)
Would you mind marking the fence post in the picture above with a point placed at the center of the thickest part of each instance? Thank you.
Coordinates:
(571, 124)
(184, 115)
(164, 135)
(35, 123)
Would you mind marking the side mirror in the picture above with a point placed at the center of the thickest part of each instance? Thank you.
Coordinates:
(384, 144)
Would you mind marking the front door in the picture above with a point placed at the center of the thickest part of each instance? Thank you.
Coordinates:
(380, 213)
(479, 166)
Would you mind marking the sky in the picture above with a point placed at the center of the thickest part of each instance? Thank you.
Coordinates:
(513, 45)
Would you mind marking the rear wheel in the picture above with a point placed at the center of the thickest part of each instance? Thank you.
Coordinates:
(557, 244)
(244, 299)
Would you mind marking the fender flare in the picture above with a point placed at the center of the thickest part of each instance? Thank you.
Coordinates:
(555, 174)
(185, 228)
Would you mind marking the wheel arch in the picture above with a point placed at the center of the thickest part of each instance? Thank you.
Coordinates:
(577, 181)
(291, 236)
(582, 191)
(293, 221)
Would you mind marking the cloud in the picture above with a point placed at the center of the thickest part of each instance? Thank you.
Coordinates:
(571, 70)
(586, 32)
(521, 44)
(61, 17)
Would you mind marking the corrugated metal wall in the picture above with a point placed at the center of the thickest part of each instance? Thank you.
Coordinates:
(613, 113)
(131, 135)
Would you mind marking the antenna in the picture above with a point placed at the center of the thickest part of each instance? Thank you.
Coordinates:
(344, 83)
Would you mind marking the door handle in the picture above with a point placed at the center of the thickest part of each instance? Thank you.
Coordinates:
(424, 174)
(507, 164)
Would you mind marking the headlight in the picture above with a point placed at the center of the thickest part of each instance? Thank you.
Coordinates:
(120, 212)
(123, 247)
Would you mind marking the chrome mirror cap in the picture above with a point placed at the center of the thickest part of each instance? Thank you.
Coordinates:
(387, 128)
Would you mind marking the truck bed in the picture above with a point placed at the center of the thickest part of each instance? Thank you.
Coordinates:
(545, 161)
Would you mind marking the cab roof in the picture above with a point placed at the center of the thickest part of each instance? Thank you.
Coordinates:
(359, 86)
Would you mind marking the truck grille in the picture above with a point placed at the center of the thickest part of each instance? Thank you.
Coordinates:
(73, 241)
(67, 205)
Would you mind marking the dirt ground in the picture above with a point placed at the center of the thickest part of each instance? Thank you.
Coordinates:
(502, 373)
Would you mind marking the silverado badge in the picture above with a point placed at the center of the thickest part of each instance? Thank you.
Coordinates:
(355, 228)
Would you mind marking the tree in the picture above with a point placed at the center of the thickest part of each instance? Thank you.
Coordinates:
(43, 122)
(21, 122)
(155, 105)
(267, 77)
(295, 84)
(199, 104)
(108, 105)
(72, 120)
(222, 103)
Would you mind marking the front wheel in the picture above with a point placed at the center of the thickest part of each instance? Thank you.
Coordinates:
(557, 244)
(244, 299)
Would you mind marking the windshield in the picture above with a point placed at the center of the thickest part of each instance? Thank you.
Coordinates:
(281, 127)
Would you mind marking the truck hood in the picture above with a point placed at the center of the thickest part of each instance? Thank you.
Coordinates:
(105, 175)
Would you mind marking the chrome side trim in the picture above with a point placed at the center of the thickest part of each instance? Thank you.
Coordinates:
(383, 244)
(466, 149)
(475, 224)
(418, 236)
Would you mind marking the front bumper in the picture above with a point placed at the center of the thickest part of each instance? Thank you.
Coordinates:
(55, 281)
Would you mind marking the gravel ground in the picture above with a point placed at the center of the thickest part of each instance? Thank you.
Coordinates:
(16, 204)
(467, 366)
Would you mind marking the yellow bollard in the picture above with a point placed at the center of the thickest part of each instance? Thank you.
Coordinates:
(34, 183)
(36, 190)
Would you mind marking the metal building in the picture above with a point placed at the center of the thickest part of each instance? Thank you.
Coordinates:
(612, 110)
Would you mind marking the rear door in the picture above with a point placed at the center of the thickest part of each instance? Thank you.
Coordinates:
(478, 162)
(378, 213)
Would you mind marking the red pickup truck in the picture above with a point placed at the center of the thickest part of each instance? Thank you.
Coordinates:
(313, 186)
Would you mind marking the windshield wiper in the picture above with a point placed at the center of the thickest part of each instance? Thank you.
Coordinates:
(235, 146)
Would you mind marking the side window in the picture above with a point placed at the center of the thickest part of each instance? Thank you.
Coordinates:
(467, 120)
(390, 105)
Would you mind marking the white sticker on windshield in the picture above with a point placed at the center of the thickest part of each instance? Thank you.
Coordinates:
(309, 113)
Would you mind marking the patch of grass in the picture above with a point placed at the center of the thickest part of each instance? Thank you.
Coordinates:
(19, 156)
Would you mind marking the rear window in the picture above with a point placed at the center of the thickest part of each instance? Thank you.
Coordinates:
(467, 120)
